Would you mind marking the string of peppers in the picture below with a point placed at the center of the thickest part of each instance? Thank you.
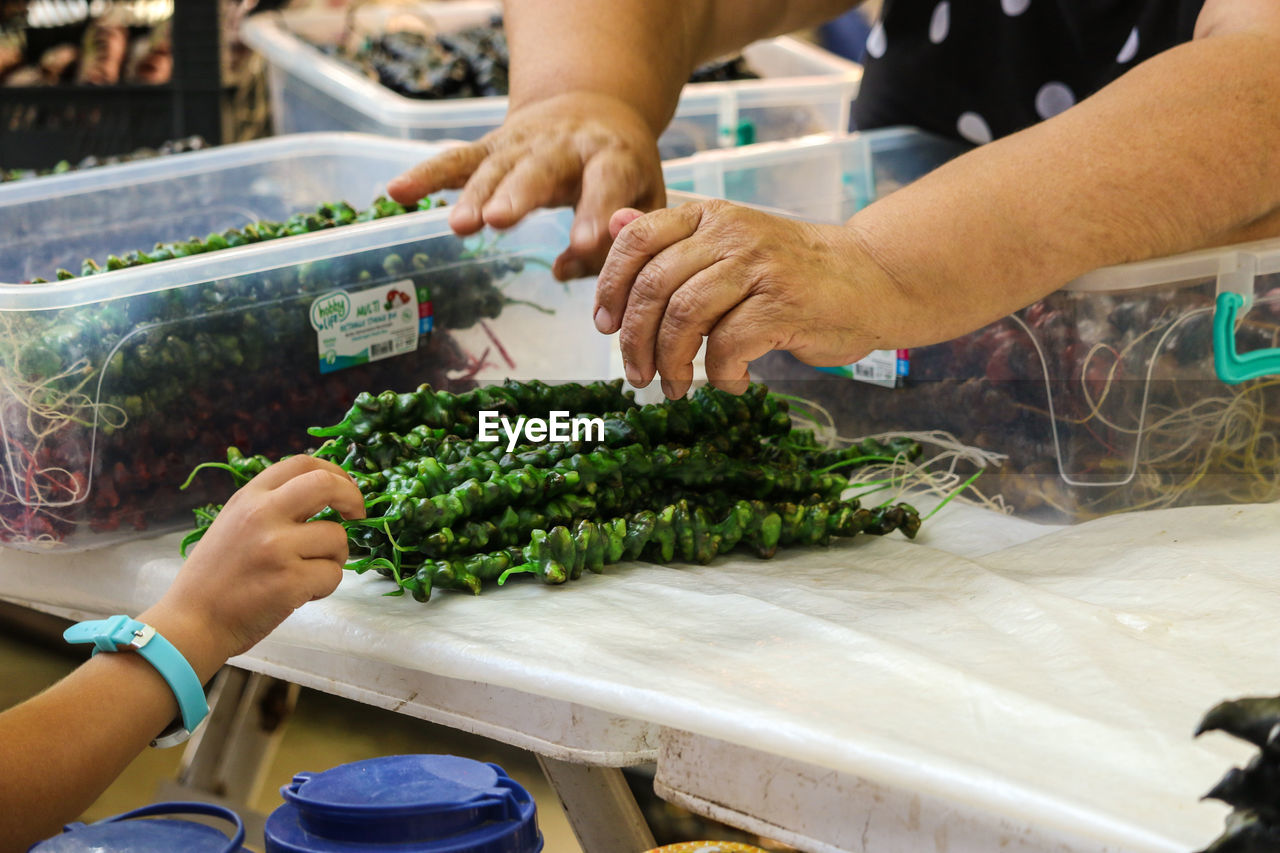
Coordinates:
(326, 215)
(685, 479)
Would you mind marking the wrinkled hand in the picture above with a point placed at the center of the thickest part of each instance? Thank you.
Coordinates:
(748, 282)
(261, 559)
(591, 151)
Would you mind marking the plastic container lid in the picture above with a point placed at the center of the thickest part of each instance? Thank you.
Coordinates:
(428, 803)
(123, 833)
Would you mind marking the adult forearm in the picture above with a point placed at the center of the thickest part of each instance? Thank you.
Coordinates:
(639, 51)
(1176, 155)
(604, 48)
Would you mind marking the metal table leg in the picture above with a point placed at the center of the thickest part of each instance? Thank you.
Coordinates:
(600, 806)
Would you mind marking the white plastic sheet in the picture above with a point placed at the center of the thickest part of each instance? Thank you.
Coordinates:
(1052, 676)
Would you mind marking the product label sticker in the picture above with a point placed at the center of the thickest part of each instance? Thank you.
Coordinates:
(367, 325)
(884, 367)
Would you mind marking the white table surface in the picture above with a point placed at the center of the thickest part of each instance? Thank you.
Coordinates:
(993, 679)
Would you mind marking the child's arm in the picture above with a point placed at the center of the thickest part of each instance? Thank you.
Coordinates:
(254, 566)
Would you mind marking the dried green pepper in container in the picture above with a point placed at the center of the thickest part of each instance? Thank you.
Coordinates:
(157, 381)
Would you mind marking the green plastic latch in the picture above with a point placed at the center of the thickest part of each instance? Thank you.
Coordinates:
(1234, 367)
(735, 136)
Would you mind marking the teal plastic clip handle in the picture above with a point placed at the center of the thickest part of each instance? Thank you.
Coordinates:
(1233, 367)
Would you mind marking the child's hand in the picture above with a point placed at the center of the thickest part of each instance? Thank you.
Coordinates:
(259, 561)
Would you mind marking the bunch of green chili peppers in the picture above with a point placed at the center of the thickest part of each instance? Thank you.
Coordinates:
(685, 479)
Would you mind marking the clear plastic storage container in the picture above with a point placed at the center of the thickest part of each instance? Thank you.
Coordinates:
(114, 386)
(803, 89)
(1106, 396)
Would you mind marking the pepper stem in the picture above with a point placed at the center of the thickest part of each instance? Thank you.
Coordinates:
(966, 484)
(855, 460)
(517, 570)
(240, 478)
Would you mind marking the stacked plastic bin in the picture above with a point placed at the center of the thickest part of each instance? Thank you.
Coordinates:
(116, 384)
(1107, 395)
(803, 89)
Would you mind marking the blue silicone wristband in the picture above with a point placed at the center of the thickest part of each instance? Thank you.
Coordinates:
(108, 635)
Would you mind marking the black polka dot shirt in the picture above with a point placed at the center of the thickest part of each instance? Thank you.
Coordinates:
(981, 69)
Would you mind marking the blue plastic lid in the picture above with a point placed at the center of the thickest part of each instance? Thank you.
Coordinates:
(427, 803)
(122, 833)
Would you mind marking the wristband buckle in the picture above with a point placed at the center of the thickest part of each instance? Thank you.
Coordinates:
(142, 636)
(116, 632)
(175, 734)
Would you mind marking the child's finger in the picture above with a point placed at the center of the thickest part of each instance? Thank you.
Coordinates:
(279, 473)
(325, 540)
(312, 491)
(319, 577)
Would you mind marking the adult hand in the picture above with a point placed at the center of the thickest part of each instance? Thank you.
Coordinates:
(592, 151)
(746, 281)
(259, 561)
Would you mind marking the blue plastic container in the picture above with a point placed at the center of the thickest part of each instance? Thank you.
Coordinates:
(409, 803)
(124, 834)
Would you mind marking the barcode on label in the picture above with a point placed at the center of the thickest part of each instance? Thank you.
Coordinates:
(379, 350)
(869, 371)
(879, 368)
